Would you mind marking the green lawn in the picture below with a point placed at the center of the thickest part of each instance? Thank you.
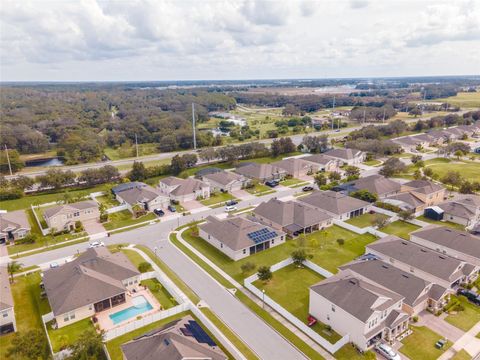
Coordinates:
(218, 198)
(322, 245)
(161, 294)
(400, 228)
(461, 355)
(134, 257)
(292, 182)
(442, 223)
(28, 308)
(467, 318)
(260, 190)
(108, 200)
(470, 170)
(420, 345)
(125, 218)
(463, 100)
(68, 335)
(349, 352)
(372, 162)
(365, 220)
(289, 287)
(26, 201)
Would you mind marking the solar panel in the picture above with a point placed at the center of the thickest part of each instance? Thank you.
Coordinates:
(199, 334)
(262, 235)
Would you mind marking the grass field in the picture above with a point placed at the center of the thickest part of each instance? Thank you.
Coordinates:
(321, 245)
(260, 190)
(365, 220)
(292, 182)
(463, 100)
(125, 218)
(470, 170)
(28, 308)
(373, 162)
(400, 228)
(108, 200)
(348, 352)
(420, 345)
(289, 287)
(467, 318)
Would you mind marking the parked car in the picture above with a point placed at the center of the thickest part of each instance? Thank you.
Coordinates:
(440, 343)
(231, 202)
(172, 208)
(387, 352)
(96, 244)
(159, 212)
(307, 188)
(53, 265)
(229, 208)
(272, 183)
(470, 295)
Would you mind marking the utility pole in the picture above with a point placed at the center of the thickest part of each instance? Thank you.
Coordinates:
(333, 109)
(8, 160)
(383, 120)
(193, 126)
(136, 145)
(364, 114)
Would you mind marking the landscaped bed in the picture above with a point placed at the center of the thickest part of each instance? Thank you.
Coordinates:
(366, 219)
(108, 200)
(161, 294)
(400, 228)
(420, 345)
(289, 287)
(322, 245)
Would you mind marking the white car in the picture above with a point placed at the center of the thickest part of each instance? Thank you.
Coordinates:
(53, 265)
(229, 208)
(96, 244)
(387, 352)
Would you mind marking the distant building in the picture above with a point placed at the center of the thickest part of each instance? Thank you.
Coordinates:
(464, 211)
(416, 195)
(347, 156)
(13, 225)
(184, 189)
(324, 162)
(8, 323)
(64, 217)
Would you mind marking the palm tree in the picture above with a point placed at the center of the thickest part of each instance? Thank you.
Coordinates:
(12, 268)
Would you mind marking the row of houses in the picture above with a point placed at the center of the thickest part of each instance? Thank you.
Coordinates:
(374, 297)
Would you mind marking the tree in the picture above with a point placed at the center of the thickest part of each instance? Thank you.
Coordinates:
(88, 346)
(364, 195)
(248, 267)
(416, 158)
(15, 161)
(31, 345)
(405, 215)
(467, 187)
(417, 175)
(334, 176)
(352, 171)
(380, 221)
(428, 172)
(392, 166)
(452, 178)
(299, 256)
(320, 179)
(264, 273)
(315, 144)
(416, 111)
(138, 172)
(56, 179)
(207, 154)
(144, 266)
(12, 268)
(459, 153)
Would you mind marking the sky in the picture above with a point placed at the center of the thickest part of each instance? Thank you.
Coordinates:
(126, 40)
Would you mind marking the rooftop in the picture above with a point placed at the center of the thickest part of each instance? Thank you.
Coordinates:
(6, 299)
(139, 194)
(82, 205)
(223, 177)
(345, 154)
(183, 186)
(259, 171)
(376, 184)
(333, 202)
(14, 219)
(424, 186)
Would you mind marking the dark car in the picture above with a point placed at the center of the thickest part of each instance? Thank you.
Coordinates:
(231, 202)
(308, 188)
(172, 208)
(159, 212)
(271, 183)
(470, 295)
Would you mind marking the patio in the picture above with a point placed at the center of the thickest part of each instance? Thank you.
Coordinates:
(106, 323)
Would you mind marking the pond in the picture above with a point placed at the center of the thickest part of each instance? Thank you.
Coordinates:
(54, 161)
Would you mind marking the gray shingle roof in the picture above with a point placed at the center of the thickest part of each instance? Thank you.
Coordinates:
(14, 219)
(223, 177)
(430, 261)
(6, 299)
(290, 212)
(127, 186)
(354, 295)
(259, 171)
(82, 205)
(376, 184)
(344, 154)
(458, 240)
(457, 209)
(424, 186)
(184, 186)
(319, 159)
(140, 194)
(95, 275)
(233, 232)
(333, 202)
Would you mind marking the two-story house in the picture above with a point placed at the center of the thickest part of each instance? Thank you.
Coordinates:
(7, 313)
(64, 217)
(183, 190)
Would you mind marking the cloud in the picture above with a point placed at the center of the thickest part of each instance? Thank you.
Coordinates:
(359, 4)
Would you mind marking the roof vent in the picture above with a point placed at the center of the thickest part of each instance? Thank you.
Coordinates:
(423, 250)
(353, 282)
(404, 243)
(405, 276)
(442, 257)
(385, 266)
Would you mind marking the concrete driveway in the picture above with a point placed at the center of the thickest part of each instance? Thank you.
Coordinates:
(93, 227)
(242, 194)
(440, 326)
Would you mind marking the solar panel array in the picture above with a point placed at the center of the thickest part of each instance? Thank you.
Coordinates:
(262, 235)
(199, 334)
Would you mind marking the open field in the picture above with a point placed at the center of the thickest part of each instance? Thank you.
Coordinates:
(420, 345)
(322, 245)
(470, 170)
(289, 287)
(463, 100)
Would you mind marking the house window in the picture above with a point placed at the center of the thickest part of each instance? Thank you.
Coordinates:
(328, 317)
(273, 241)
(5, 314)
(221, 245)
(76, 214)
(65, 318)
(333, 308)
(208, 237)
(244, 251)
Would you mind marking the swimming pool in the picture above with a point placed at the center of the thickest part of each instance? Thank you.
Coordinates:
(140, 305)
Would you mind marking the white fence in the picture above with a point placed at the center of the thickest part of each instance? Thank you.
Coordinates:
(358, 230)
(117, 209)
(44, 231)
(332, 348)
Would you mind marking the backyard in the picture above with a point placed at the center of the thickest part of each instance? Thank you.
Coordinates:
(420, 345)
(442, 223)
(125, 218)
(400, 228)
(289, 287)
(108, 200)
(366, 219)
(322, 245)
(217, 198)
(467, 318)
(67, 335)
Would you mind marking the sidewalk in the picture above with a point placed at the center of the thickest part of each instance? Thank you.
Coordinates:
(468, 342)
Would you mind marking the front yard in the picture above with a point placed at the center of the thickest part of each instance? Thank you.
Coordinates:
(292, 182)
(260, 190)
(400, 228)
(465, 319)
(125, 218)
(366, 220)
(420, 345)
(322, 245)
(218, 198)
(289, 287)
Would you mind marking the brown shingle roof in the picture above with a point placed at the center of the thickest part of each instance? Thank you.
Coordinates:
(344, 154)
(424, 186)
(139, 194)
(259, 171)
(82, 205)
(376, 184)
(184, 186)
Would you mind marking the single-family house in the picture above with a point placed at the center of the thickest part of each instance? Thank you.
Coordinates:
(418, 294)
(238, 237)
(291, 217)
(261, 172)
(456, 243)
(182, 339)
(95, 281)
(410, 143)
(324, 162)
(147, 197)
(354, 306)
(184, 189)
(375, 184)
(8, 323)
(225, 181)
(336, 204)
(127, 186)
(297, 167)
(416, 195)
(64, 217)
(423, 262)
(464, 211)
(347, 156)
(13, 225)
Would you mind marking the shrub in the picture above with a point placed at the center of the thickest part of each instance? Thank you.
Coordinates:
(264, 273)
(27, 239)
(340, 241)
(389, 207)
(299, 256)
(247, 267)
(144, 267)
(415, 319)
